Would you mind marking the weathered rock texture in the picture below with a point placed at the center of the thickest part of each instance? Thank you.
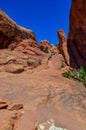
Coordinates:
(17, 62)
(63, 49)
(45, 94)
(19, 49)
(54, 49)
(11, 33)
(77, 34)
(47, 47)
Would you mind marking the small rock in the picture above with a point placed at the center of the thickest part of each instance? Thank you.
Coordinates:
(13, 107)
(3, 104)
(55, 128)
(44, 44)
(34, 62)
(14, 68)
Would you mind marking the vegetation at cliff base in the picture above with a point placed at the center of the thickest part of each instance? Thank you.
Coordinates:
(63, 64)
(79, 74)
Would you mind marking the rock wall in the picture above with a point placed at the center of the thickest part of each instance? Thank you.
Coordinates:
(77, 34)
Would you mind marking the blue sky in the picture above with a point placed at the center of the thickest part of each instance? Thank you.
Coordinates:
(44, 17)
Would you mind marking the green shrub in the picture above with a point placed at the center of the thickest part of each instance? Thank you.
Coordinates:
(52, 53)
(82, 72)
(63, 65)
(77, 74)
(67, 74)
(46, 50)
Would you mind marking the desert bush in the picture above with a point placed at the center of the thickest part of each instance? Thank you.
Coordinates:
(53, 53)
(63, 65)
(67, 74)
(79, 74)
(46, 50)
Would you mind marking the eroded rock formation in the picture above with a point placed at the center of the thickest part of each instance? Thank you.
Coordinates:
(11, 33)
(44, 44)
(19, 49)
(77, 34)
(63, 49)
(47, 47)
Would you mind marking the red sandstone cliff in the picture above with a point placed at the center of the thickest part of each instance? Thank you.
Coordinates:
(77, 33)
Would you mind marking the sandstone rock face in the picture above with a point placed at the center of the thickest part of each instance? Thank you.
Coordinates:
(24, 44)
(77, 34)
(63, 49)
(12, 34)
(19, 49)
(17, 62)
(54, 49)
(8, 119)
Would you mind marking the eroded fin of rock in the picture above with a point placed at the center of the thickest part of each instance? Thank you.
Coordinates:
(11, 33)
(63, 49)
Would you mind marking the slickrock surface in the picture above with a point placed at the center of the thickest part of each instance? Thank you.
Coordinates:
(45, 94)
(77, 33)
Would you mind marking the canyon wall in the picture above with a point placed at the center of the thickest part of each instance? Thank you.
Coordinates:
(77, 34)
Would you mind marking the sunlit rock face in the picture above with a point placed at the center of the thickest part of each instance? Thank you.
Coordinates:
(19, 49)
(77, 33)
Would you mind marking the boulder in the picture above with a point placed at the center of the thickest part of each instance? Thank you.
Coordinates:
(8, 119)
(63, 49)
(49, 125)
(23, 44)
(14, 68)
(54, 49)
(77, 34)
(45, 45)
